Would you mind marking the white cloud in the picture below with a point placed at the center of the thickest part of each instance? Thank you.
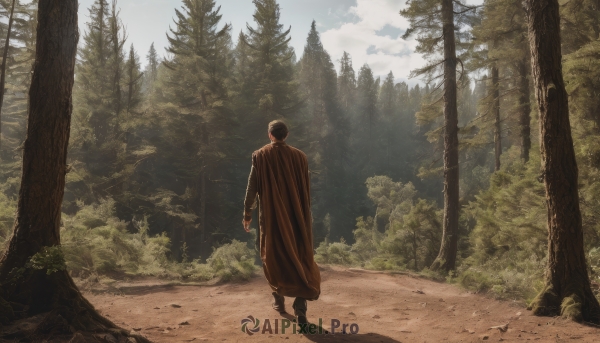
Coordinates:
(378, 13)
(361, 40)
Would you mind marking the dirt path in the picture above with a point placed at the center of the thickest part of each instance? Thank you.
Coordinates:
(386, 308)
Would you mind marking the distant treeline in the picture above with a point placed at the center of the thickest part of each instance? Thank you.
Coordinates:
(171, 144)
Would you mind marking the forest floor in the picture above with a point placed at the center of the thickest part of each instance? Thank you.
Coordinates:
(385, 307)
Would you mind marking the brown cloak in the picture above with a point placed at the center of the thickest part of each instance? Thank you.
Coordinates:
(281, 180)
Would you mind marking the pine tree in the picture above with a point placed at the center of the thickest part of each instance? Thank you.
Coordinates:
(21, 54)
(5, 62)
(363, 121)
(98, 139)
(269, 89)
(367, 91)
(395, 139)
(116, 62)
(358, 204)
(581, 69)
(312, 70)
(580, 28)
(438, 29)
(94, 115)
(502, 33)
(347, 83)
(190, 101)
(406, 158)
(580, 24)
(152, 58)
(495, 94)
(524, 108)
(567, 291)
(389, 128)
(48, 290)
(387, 97)
(133, 77)
(326, 131)
(265, 87)
(150, 73)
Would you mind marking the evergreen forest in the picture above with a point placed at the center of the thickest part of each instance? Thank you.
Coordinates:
(445, 177)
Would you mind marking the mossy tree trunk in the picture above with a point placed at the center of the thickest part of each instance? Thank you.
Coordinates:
(567, 291)
(30, 290)
(446, 259)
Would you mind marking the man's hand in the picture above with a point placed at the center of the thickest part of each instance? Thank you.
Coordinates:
(247, 224)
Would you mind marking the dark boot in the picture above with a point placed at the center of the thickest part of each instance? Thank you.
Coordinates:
(279, 303)
(300, 307)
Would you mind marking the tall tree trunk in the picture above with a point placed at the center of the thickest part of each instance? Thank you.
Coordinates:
(567, 291)
(496, 112)
(446, 259)
(102, 31)
(44, 159)
(203, 206)
(130, 85)
(204, 194)
(524, 111)
(37, 224)
(4, 63)
(115, 27)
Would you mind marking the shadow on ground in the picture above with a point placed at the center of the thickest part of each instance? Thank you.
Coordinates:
(368, 337)
(340, 337)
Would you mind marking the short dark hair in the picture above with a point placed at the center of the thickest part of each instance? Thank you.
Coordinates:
(278, 129)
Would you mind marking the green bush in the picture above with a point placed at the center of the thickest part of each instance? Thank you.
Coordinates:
(334, 253)
(508, 243)
(230, 262)
(405, 232)
(50, 259)
(96, 243)
(594, 263)
(367, 240)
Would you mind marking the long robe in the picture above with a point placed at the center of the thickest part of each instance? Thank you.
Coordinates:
(280, 181)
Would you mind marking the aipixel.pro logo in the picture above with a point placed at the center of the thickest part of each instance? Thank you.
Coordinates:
(251, 326)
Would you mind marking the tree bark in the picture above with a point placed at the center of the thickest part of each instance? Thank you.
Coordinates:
(44, 159)
(37, 223)
(446, 259)
(496, 112)
(524, 111)
(567, 291)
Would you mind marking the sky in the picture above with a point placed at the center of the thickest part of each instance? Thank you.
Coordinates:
(369, 30)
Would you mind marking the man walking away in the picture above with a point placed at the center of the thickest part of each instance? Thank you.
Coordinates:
(279, 182)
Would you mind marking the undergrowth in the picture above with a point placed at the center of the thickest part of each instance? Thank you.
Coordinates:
(96, 244)
(505, 245)
(404, 234)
